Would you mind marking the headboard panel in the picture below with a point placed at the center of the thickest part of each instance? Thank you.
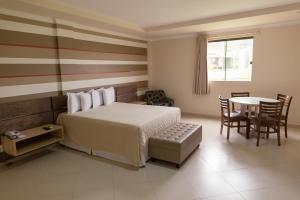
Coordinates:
(25, 114)
(59, 105)
(126, 93)
(31, 113)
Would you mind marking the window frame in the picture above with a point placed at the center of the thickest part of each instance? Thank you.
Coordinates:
(225, 56)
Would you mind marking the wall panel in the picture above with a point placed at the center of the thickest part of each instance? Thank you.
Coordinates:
(41, 57)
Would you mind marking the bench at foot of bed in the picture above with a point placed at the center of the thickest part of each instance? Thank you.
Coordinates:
(176, 143)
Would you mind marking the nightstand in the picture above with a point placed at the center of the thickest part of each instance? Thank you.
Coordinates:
(33, 139)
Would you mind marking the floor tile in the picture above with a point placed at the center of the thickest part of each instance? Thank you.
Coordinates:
(173, 188)
(235, 196)
(209, 184)
(219, 169)
(290, 192)
(123, 176)
(135, 192)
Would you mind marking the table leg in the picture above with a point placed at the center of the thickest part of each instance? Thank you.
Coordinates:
(256, 111)
(249, 111)
(243, 109)
(248, 129)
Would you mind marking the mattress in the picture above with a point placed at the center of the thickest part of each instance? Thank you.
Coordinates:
(119, 129)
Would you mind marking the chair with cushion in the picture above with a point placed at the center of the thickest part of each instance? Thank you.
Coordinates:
(239, 94)
(158, 97)
(286, 107)
(269, 116)
(228, 117)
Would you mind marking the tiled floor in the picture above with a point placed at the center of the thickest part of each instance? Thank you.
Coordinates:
(219, 170)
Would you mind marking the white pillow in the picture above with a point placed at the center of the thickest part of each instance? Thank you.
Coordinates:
(96, 98)
(85, 101)
(73, 102)
(101, 95)
(109, 96)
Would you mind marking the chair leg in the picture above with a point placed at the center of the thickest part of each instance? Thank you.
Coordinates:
(239, 126)
(228, 132)
(285, 129)
(258, 136)
(278, 136)
(221, 130)
(268, 131)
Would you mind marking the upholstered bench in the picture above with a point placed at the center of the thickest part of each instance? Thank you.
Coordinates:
(175, 143)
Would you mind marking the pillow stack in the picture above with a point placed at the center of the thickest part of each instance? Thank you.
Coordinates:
(97, 97)
(85, 101)
(73, 102)
(82, 101)
(109, 96)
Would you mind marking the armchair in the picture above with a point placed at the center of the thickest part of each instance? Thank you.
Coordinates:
(158, 97)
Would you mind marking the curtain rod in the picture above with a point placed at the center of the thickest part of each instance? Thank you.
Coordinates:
(225, 36)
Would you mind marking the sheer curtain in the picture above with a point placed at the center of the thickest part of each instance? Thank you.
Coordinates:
(201, 79)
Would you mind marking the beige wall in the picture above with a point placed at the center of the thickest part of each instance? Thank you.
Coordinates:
(276, 69)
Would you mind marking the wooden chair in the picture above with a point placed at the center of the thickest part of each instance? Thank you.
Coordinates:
(286, 107)
(228, 117)
(269, 116)
(239, 94)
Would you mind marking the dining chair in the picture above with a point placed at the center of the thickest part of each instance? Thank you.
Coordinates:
(239, 94)
(286, 107)
(228, 117)
(269, 117)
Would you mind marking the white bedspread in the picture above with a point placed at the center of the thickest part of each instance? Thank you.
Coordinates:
(122, 129)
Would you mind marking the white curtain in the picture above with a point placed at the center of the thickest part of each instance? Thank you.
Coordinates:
(201, 79)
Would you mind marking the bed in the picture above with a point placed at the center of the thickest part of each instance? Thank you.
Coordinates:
(119, 131)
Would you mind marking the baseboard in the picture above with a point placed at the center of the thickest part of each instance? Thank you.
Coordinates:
(201, 115)
(294, 125)
(216, 117)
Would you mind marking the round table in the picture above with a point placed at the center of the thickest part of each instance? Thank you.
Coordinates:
(250, 103)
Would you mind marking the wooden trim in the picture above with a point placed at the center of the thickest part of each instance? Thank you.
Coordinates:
(216, 117)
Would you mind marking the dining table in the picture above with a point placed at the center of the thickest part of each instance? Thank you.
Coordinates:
(250, 105)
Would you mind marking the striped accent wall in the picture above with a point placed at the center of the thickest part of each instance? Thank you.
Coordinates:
(41, 57)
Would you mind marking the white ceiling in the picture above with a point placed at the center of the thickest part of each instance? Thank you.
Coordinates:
(152, 13)
(160, 19)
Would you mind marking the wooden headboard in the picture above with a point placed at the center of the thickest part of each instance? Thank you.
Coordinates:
(31, 113)
(126, 93)
(25, 114)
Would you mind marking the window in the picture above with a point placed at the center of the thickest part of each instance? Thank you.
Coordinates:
(230, 60)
